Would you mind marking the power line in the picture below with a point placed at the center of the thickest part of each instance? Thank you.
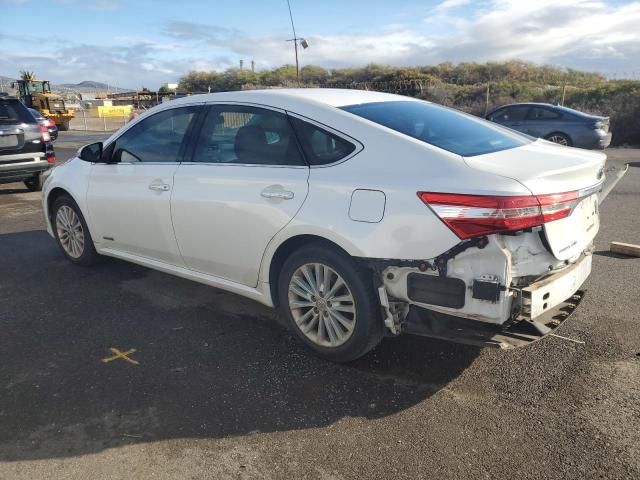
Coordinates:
(293, 27)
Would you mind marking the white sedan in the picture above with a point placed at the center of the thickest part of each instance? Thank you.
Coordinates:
(358, 214)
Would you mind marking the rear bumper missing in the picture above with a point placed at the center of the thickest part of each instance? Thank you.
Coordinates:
(516, 334)
(546, 293)
(492, 295)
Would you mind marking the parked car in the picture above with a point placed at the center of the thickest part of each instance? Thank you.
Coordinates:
(26, 150)
(47, 122)
(358, 214)
(557, 124)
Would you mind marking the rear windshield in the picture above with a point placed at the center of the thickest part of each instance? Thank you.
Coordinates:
(12, 111)
(443, 127)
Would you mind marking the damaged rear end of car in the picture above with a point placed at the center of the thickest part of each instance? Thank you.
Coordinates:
(517, 272)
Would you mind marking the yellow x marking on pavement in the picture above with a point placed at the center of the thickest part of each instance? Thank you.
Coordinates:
(118, 354)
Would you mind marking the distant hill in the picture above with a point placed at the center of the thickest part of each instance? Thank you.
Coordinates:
(86, 86)
(89, 86)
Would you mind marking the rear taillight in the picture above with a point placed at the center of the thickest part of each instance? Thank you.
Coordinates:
(45, 133)
(601, 125)
(474, 215)
(51, 158)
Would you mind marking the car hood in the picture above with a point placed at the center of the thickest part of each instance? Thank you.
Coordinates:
(544, 167)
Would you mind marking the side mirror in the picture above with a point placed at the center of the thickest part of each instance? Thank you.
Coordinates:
(91, 153)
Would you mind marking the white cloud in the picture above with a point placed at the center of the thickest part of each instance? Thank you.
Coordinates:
(587, 34)
(450, 4)
(399, 47)
(572, 32)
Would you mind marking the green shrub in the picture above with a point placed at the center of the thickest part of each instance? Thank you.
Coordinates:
(463, 86)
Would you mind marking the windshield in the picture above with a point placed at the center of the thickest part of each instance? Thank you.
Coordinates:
(38, 87)
(443, 127)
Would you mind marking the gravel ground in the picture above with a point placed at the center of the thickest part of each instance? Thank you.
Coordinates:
(222, 389)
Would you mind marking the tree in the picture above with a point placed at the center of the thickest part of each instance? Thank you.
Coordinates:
(313, 74)
(27, 76)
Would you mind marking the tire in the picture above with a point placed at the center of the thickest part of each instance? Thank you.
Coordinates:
(67, 217)
(34, 184)
(64, 126)
(364, 326)
(559, 138)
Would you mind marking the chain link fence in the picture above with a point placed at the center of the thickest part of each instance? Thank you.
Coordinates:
(89, 120)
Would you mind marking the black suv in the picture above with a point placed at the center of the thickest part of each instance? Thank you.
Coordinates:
(26, 150)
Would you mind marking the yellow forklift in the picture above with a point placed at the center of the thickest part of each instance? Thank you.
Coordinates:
(37, 94)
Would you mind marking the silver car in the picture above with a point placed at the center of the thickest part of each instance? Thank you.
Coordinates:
(555, 123)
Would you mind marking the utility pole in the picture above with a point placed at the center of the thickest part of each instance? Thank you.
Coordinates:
(241, 65)
(295, 42)
(486, 104)
(253, 66)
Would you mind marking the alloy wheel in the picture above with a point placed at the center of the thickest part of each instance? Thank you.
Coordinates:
(322, 305)
(559, 139)
(70, 231)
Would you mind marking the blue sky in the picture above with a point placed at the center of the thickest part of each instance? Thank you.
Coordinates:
(136, 43)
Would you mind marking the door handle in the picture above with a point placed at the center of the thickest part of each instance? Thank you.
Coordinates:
(162, 187)
(281, 194)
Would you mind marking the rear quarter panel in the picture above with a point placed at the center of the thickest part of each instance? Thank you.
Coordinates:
(400, 167)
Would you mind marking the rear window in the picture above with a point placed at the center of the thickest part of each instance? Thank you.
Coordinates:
(443, 127)
(320, 147)
(12, 111)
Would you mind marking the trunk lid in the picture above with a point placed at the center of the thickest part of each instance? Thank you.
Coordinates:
(546, 168)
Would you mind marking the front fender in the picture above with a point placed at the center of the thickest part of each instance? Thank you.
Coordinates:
(72, 177)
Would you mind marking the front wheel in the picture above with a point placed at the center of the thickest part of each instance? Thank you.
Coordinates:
(72, 232)
(330, 303)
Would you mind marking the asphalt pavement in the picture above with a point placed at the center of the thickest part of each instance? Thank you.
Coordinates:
(204, 384)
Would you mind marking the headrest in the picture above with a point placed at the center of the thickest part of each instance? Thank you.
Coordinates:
(250, 142)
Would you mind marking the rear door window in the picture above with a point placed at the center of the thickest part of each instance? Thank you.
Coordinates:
(543, 114)
(238, 134)
(510, 114)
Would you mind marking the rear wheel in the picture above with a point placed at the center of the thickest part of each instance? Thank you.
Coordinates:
(72, 232)
(559, 138)
(64, 126)
(34, 184)
(330, 303)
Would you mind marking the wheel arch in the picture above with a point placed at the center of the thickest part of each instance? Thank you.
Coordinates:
(286, 248)
(53, 195)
